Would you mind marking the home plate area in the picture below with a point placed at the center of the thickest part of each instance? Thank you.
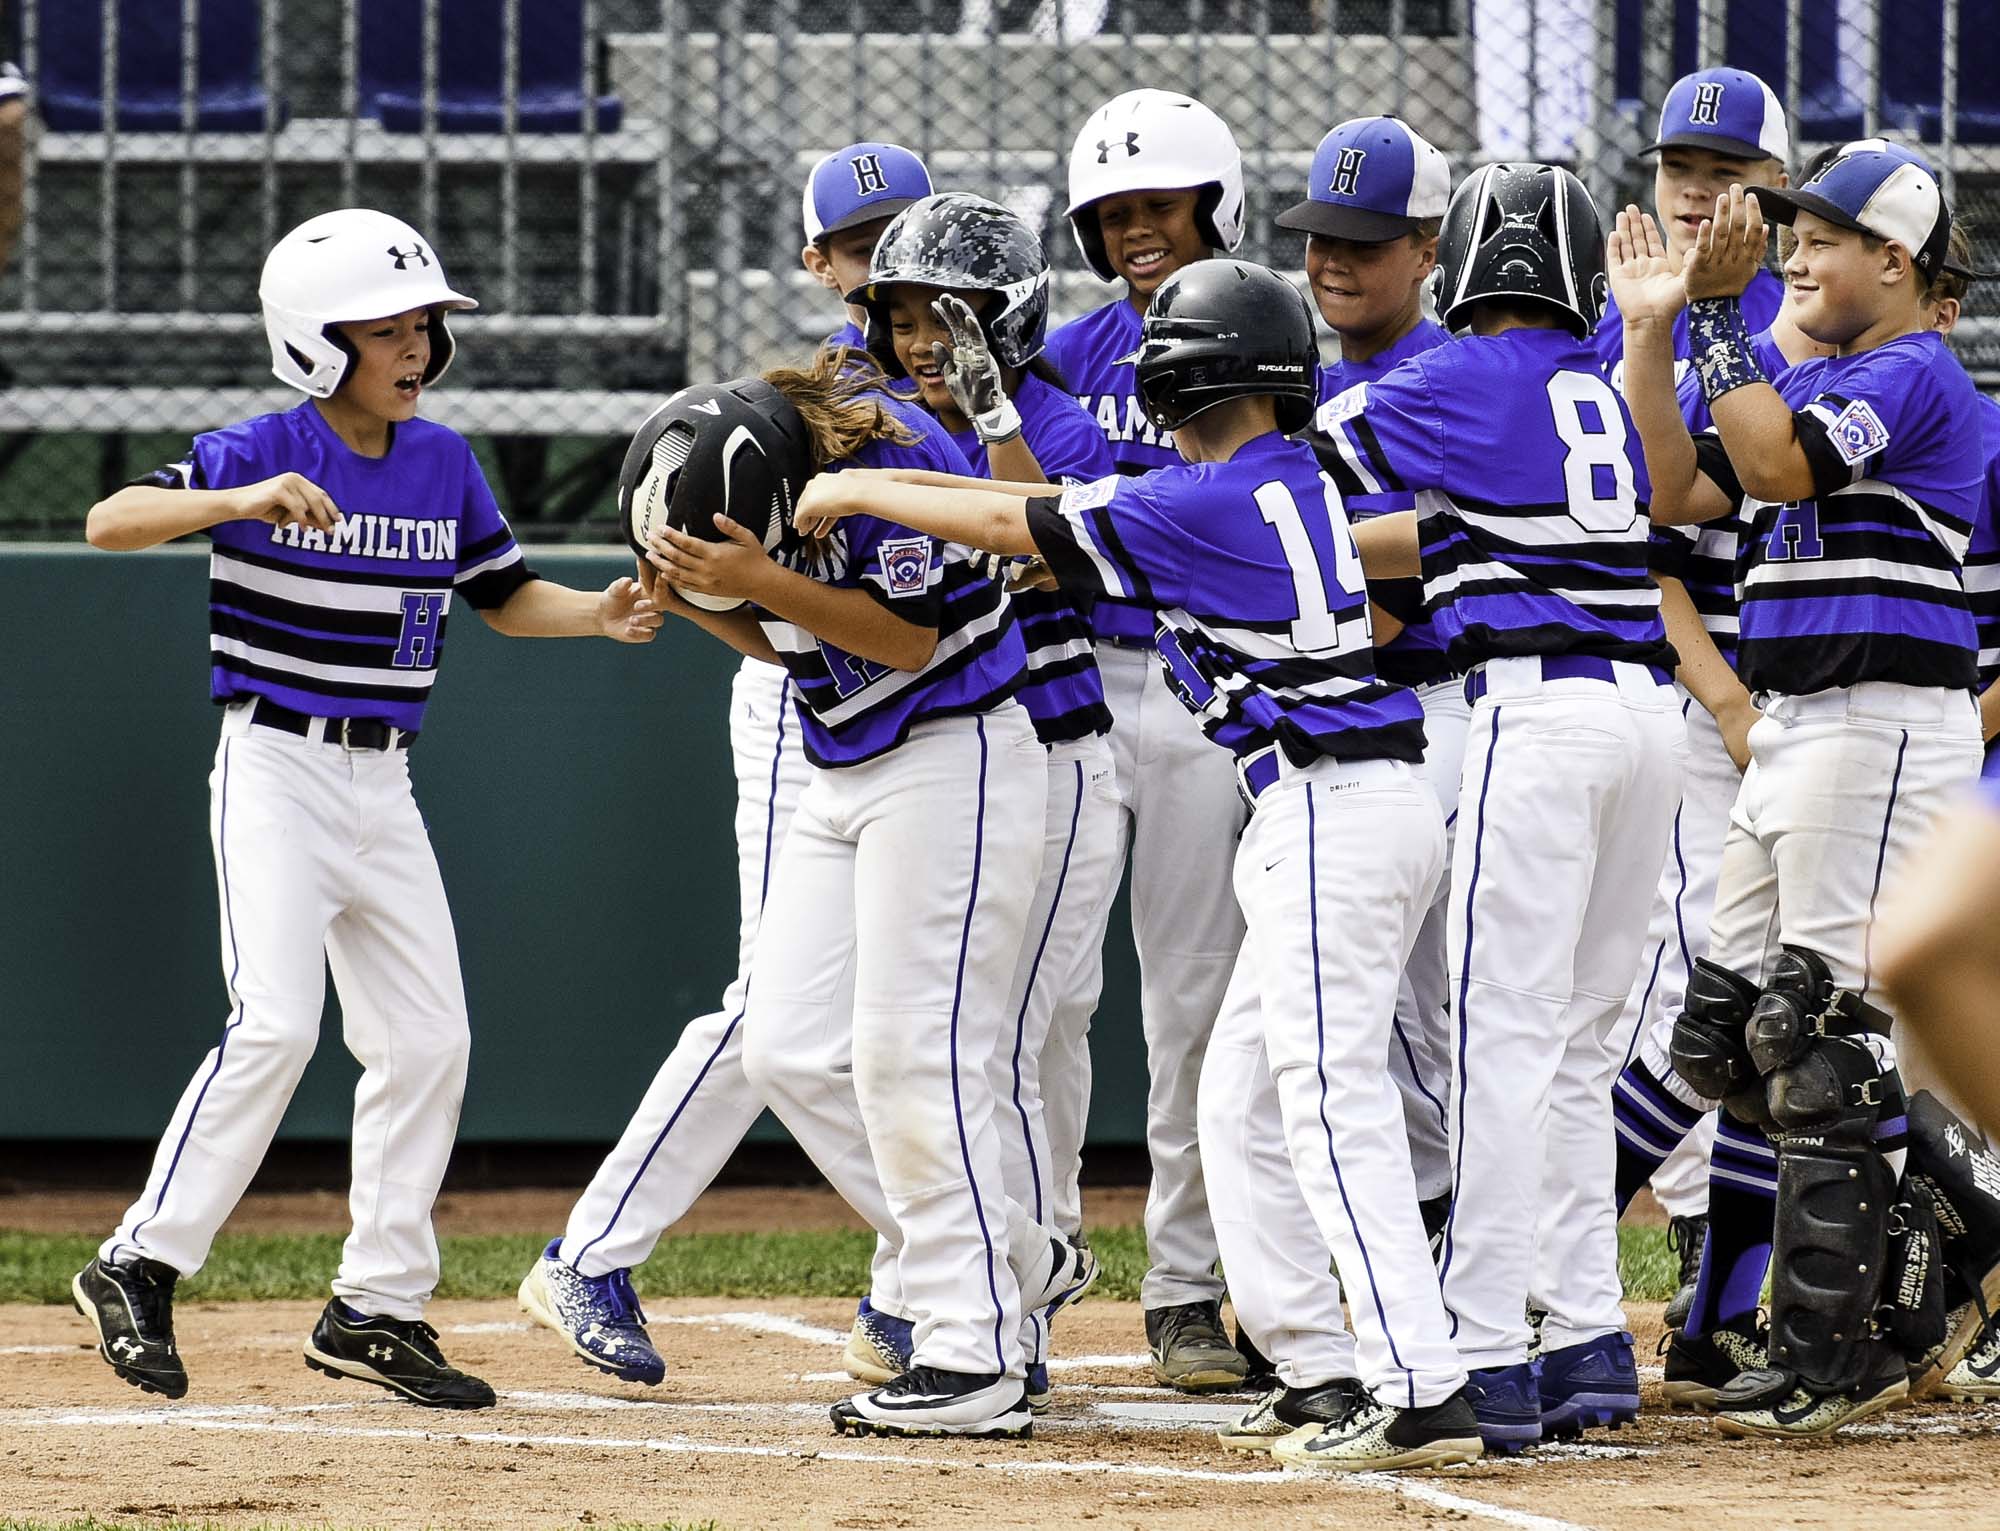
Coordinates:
(738, 1436)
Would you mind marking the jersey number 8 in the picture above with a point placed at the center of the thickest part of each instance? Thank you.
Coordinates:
(1597, 475)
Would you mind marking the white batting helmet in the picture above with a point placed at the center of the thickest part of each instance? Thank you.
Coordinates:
(351, 264)
(1155, 140)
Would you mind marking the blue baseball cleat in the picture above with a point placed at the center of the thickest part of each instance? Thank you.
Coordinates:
(1507, 1402)
(598, 1315)
(1588, 1386)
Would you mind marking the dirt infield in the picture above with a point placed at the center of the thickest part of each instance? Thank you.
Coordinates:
(739, 1434)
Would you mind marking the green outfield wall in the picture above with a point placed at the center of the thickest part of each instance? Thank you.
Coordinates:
(579, 794)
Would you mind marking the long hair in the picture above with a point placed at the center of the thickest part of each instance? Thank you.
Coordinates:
(838, 395)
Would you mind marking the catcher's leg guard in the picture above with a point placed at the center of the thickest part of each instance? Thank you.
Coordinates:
(1827, 1262)
(1709, 1050)
(1962, 1178)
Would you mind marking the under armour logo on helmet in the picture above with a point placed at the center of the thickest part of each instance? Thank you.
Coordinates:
(404, 257)
(869, 180)
(1707, 108)
(1106, 145)
(1347, 172)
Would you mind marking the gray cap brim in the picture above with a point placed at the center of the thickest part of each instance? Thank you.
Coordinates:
(1335, 220)
(1735, 148)
(869, 212)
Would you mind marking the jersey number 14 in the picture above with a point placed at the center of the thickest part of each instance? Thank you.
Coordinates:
(1317, 628)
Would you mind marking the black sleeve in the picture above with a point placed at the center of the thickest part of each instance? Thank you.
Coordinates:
(1057, 545)
(1712, 459)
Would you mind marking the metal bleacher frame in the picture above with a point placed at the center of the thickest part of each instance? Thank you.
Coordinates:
(683, 106)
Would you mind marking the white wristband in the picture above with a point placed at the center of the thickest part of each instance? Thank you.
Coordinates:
(1001, 423)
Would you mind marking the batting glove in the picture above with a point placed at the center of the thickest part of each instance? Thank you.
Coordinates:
(972, 375)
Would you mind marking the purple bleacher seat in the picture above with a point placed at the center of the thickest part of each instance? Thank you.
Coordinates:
(69, 88)
(471, 73)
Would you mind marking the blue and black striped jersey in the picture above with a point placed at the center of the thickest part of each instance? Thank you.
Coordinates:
(1095, 355)
(1064, 693)
(1530, 494)
(1264, 627)
(1864, 581)
(1416, 655)
(347, 623)
(852, 709)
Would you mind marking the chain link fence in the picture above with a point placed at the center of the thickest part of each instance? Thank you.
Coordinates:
(618, 181)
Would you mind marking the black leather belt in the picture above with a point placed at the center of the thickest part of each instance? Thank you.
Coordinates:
(349, 733)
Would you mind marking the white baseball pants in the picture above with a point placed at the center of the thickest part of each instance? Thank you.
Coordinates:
(1041, 1077)
(1420, 1043)
(322, 861)
(1842, 785)
(1335, 875)
(1567, 800)
(908, 878)
(1676, 934)
(700, 1105)
(1181, 819)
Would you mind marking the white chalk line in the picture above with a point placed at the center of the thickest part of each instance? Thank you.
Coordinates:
(268, 1419)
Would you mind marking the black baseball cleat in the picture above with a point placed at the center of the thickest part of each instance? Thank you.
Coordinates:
(1685, 1237)
(927, 1400)
(1697, 1370)
(399, 1354)
(131, 1306)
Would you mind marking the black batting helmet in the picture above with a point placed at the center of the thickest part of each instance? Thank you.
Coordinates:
(1226, 329)
(956, 240)
(738, 447)
(1528, 233)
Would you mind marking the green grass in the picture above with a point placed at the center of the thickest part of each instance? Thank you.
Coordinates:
(245, 1267)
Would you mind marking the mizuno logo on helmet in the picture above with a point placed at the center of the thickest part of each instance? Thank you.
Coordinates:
(404, 257)
(1347, 172)
(1707, 108)
(869, 180)
(1106, 145)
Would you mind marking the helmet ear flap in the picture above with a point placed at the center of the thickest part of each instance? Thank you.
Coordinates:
(443, 347)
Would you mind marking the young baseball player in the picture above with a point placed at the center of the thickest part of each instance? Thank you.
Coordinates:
(1531, 540)
(1264, 628)
(699, 1105)
(904, 884)
(341, 531)
(957, 300)
(1859, 477)
(1716, 126)
(1155, 183)
(1375, 200)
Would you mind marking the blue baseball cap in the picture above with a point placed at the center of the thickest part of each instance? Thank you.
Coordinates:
(1874, 191)
(1729, 111)
(860, 184)
(1372, 179)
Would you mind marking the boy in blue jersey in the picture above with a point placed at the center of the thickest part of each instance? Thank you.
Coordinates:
(903, 886)
(341, 530)
(1156, 183)
(1375, 201)
(1859, 477)
(1717, 126)
(957, 300)
(849, 198)
(1530, 536)
(1264, 632)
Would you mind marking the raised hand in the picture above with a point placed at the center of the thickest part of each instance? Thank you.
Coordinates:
(1728, 248)
(1643, 279)
(972, 374)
